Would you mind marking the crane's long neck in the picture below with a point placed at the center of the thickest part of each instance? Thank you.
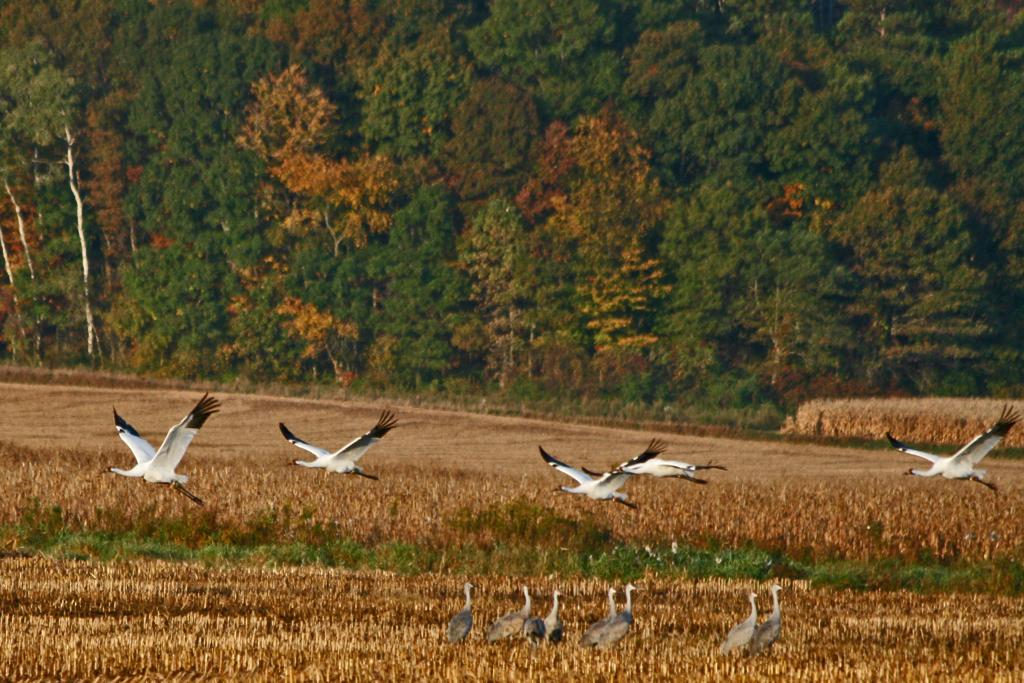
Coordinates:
(924, 473)
(554, 608)
(629, 599)
(526, 607)
(776, 612)
(469, 599)
(611, 602)
(134, 472)
(753, 607)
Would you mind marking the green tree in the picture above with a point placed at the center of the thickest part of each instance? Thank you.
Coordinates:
(422, 292)
(494, 251)
(919, 311)
(493, 130)
(194, 199)
(562, 51)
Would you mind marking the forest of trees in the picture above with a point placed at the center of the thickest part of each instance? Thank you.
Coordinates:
(702, 202)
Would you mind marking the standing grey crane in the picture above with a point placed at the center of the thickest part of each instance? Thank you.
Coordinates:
(552, 622)
(613, 629)
(461, 623)
(768, 631)
(740, 634)
(511, 624)
(534, 630)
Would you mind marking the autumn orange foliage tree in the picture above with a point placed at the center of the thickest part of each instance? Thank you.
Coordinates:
(287, 124)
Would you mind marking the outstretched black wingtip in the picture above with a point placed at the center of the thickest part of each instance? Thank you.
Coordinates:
(1007, 419)
(121, 423)
(206, 407)
(285, 432)
(892, 441)
(385, 423)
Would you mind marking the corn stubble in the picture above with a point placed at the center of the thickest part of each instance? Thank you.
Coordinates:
(855, 518)
(149, 618)
(948, 421)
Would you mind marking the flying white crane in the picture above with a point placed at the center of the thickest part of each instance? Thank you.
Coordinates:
(659, 467)
(157, 466)
(603, 486)
(344, 459)
(961, 465)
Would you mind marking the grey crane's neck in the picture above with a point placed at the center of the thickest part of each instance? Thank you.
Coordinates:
(526, 607)
(776, 611)
(753, 607)
(469, 598)
(629, 601)
(554, 607)
(611, 604)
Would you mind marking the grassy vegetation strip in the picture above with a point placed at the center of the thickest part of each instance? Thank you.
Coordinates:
(586, 552)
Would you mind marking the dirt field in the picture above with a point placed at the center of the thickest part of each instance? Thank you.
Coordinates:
(152, 619)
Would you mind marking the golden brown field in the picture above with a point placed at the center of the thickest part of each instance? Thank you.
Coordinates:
(439, 472)
(151, 619)
(814, 500)
(950, 421)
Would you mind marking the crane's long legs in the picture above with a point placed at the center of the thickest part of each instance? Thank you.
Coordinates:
(188, 494)
(627, 503)
(993, 487)
(693, 480)
(364, 474)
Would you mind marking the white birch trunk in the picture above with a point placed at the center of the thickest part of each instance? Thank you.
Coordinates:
(21, 230)
(80, 214)
(14, 291)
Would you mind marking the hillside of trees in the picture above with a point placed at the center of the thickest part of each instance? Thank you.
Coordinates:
(703, 202)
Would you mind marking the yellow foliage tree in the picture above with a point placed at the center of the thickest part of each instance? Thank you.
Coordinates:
(286, 125)
(601, 222)
(322, 333)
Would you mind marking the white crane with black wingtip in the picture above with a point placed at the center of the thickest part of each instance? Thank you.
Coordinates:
(961, 465)
(345, 458)
(740, 634)
(660, 467)
(603, 486)
(157, 466)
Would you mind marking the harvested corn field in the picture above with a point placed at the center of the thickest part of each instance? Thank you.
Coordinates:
(452, 479)
(283, 576)
(947, 421)
(75, 620)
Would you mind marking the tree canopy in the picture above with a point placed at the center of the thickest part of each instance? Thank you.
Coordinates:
(701, 203)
